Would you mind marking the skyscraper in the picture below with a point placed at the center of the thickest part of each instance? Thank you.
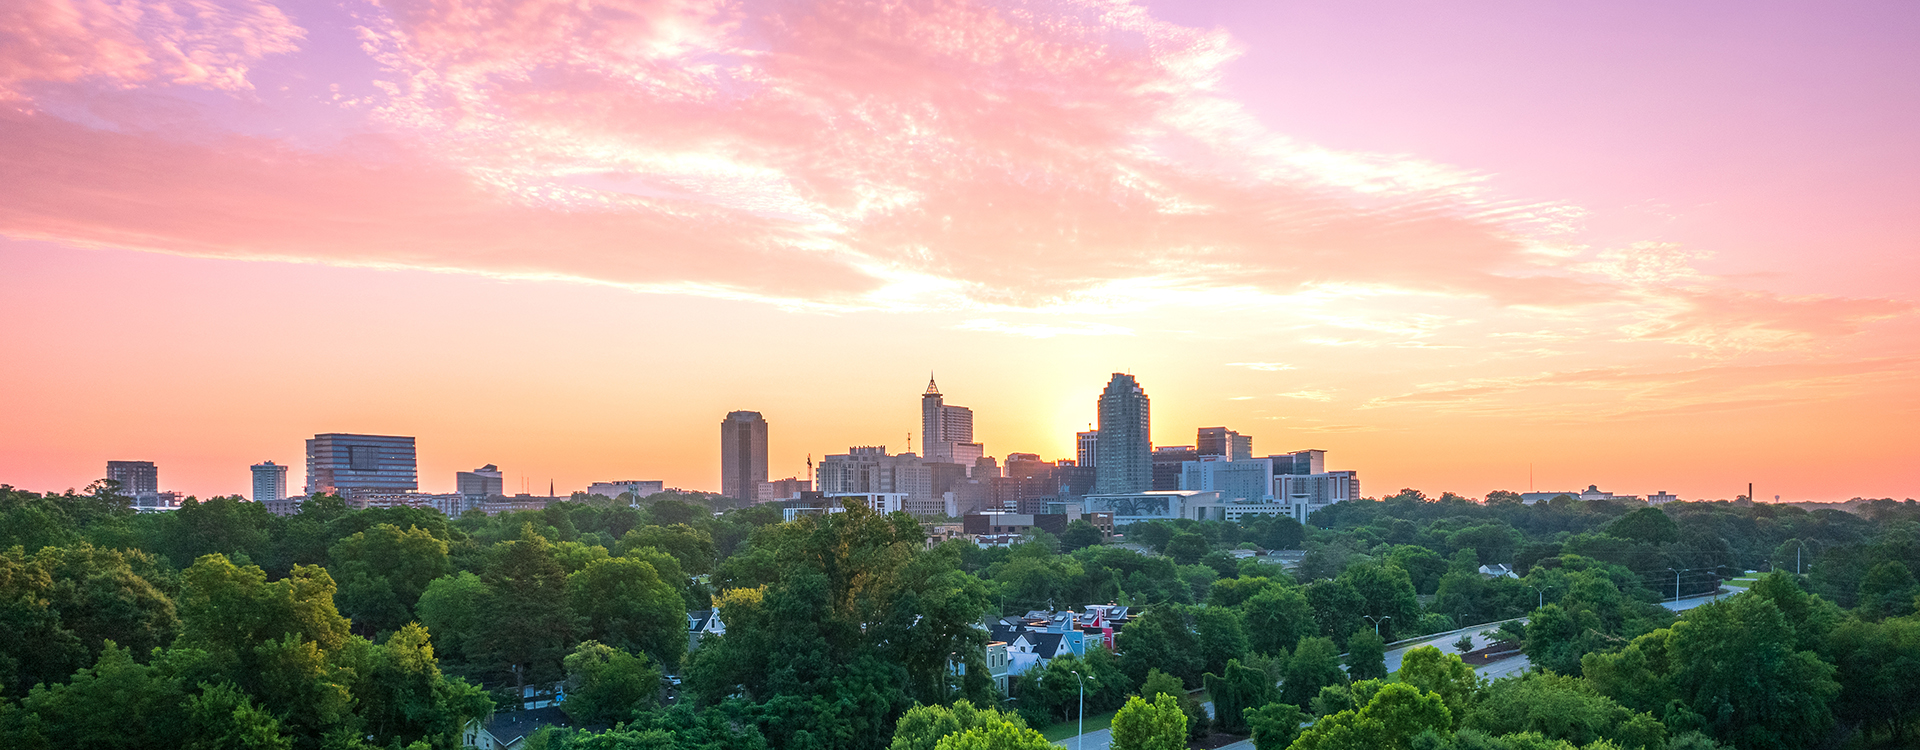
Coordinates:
(743, 455)
(1220, 441)
(269, 482)
(946, 432)
(352, 465)
(1123, 455)
(135, 477)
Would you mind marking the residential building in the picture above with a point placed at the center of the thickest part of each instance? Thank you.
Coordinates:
(743, 454)
(636, 488)
(1660, 497)
(1085, 444)
(1304, 494)
(135, 477)
(1123, 460)
(509, 730)
(450, 504)
(1220, 441)
(352, 465)
(1025, 465)
(1168, 461)
(269, 482)
(1039, 638)
(483, 482)
(702, 623)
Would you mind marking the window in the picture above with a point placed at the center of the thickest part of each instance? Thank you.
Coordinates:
(363, 458)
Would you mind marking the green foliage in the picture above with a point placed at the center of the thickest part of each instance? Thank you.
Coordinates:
(1079, 535)
(691, 546)
(922, 727)
(996, 736)
(1240, 689)
(1277, 618)
(1159, 725)
(1337, 608)
(1649, 525)
(606, 685)
(1315, 664)
(1444, 675)
(1887, 591)
(61, 605)
(1392, 718)
(382, 573)
(1275, 725)
(1562, 708)
(1366, 656)
(1162, 639)
(1186, 547)
(623, 602)
(528, 625)
(1875, 667)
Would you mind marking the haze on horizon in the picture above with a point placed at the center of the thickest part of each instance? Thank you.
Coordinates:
(1640, 245)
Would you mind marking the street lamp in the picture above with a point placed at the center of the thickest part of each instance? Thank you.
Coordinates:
(1376, 622)
(1081, 742)
(1676, 581)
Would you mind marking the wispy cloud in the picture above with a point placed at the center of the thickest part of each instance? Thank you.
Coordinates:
(1262, 366)
(1043, 330)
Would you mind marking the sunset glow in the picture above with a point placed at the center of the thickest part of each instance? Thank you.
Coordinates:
(1461, 247)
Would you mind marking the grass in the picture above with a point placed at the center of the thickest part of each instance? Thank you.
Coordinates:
(1064, 730)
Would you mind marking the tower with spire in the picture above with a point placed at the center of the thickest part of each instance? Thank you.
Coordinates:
(946, 432)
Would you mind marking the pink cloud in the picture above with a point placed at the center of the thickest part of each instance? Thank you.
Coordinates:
(130, 42)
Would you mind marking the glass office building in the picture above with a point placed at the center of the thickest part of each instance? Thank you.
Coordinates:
(346, 464)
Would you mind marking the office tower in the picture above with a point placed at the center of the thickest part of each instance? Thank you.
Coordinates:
(135, 477)
(1086, 443)
(1123, 455)
(869, 469)
(1220, 441)
(1168, 461)
(1024, 465)
(354, 465)
(946, 431)
(1299, 462)
(481, 483)
(1075, 481)
(269, 482)
(743, 455)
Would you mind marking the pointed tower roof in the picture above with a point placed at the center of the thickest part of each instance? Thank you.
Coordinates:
(932, 390)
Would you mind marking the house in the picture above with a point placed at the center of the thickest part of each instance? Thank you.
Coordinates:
(702, 623)
(509, 731)
(1501, 570)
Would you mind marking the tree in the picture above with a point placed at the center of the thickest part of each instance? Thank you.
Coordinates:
(1159, 725)
(1187, 547)
(1887, 591)
(530, 624)
(1441, 674)
(219, 525)
(1277, 618)
(1648, 525)
(1734, 663)
(1315, 664)
(1388, 593)
(1240, 689)
(1393, 716)
(1222, 637)
(1161, 638)
(623, 603)
(691, 546)
(1562, 708)
(1079, 535)
(1875, 664)
(923, 727)
(1366, 656)
(224, 718)
(996, 736)
(455, 609)
(1337, 607)
(606, 685)
(1274, 725)
(116, 703)
(383, 571)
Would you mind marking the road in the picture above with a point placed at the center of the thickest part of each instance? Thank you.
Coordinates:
(1102, 739)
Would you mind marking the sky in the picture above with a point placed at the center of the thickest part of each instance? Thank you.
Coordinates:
(1461, 247)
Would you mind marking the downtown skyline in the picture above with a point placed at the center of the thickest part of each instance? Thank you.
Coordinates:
(1643, 246)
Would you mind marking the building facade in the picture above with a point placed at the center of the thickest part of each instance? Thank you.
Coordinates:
(352, 465)
(870, 469)
(1086, 447)
(269, 482)
(483, 482)
(135, 477)
(946, 431)
(638, 488)
(1250, 480)
(1124, 450)
(743, 455)
(1168, 463)
(1220, 441)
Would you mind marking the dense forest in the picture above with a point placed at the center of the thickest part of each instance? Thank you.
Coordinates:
(218, 625)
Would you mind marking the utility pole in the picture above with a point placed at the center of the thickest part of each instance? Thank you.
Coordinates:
(1081, 743)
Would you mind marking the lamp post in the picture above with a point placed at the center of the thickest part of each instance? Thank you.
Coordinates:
(1376, 622)
(1676, 581)
(1081, 742)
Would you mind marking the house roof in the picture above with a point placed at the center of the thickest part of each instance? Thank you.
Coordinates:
(510, 727)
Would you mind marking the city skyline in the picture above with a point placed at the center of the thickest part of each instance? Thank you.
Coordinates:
(1643, 245)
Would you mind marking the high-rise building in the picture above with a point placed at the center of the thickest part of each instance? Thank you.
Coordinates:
(743, 455)
(946, 431)
(352, 465)
(1299, 462)
(269, 482)
(482, 483)
(1086, 444)
(1167, 463)
(1220, 441)
(135, 477)
(1123, 455)
(870, 469)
